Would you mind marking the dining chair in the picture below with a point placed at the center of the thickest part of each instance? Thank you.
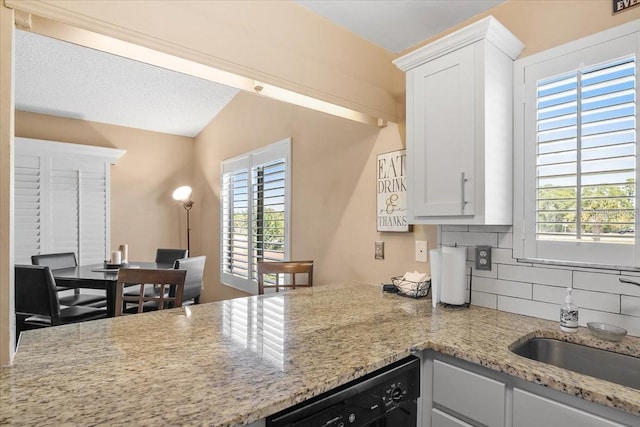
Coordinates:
(37, 303)
(164, 280)
(60, 260)
(287, 270)
(194, 279)
(169, 256)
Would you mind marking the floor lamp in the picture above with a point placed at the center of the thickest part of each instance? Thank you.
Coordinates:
(183, 194)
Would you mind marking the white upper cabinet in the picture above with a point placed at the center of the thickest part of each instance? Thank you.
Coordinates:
(459, 126)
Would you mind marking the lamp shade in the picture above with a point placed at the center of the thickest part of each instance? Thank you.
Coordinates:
(182, 193)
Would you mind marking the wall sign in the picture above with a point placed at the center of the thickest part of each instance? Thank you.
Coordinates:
(622, 5)
(392, 191)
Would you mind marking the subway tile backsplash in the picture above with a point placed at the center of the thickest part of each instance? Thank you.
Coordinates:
(537, 290)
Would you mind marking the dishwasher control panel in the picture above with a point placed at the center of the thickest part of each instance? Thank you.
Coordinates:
(387, 397)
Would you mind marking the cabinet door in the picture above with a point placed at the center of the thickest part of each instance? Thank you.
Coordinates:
(530, 410)
(442, 124)
(469, 394)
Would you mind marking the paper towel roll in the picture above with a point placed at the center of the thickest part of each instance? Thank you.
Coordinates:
(453, 277)
(434, 261)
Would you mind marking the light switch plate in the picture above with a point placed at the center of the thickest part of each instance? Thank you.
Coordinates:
(379, 249)
(483, 258)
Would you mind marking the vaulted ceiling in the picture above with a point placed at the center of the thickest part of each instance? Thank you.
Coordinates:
(62, 79)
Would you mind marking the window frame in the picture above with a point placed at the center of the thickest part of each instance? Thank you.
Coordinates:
(247, 161)
(617, 42)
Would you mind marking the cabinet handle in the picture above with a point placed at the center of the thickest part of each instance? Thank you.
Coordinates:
(463, 181)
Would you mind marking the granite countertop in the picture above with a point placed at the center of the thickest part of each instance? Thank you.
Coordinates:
(233, 362)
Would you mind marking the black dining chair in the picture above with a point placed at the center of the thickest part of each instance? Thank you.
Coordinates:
(37, 303)
(169, 256)
(60, 260)
(194, 280)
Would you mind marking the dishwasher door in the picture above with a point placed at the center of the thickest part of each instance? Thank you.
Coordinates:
(384, 398)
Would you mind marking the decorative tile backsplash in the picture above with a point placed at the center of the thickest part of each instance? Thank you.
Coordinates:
(539, 290)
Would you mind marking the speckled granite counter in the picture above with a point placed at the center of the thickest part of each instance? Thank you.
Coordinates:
(237, 361)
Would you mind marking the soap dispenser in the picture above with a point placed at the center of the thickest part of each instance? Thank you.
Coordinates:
(569, 314)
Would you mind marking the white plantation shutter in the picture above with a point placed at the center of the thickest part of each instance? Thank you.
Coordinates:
(235, 223)
(254, 213)
(63, 223)
(62, 199)
(268, 214)
(28, 202)
(586, 154)
(94, 224)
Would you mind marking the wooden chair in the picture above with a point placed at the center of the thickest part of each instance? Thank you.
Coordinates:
(162, 279)
(288, 268)
(60, 260)
(193, 281)
(169, 256)
(37, 303)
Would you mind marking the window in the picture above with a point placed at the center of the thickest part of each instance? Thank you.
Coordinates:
(254, 213)
(62, 199)
(575, 151)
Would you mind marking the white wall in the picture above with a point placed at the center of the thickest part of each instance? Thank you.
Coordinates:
(536, 290)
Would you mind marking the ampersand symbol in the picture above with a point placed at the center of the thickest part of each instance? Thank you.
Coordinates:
(391, 203)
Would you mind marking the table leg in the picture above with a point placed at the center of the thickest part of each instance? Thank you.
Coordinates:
(110, 288)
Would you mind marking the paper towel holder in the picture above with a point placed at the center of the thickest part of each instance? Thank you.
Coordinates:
(466, 304)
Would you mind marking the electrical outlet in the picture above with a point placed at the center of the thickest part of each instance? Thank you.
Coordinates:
(483, 258)
(421, 250)
(379, 249)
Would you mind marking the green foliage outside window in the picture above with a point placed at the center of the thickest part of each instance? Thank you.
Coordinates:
(604, 209)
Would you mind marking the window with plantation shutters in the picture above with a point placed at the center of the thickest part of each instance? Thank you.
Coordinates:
(577, 146)
(62, 199)
(254, 210)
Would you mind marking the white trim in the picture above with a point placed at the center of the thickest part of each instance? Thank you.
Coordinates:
(489, 29)
(36, 147)
(583, 43)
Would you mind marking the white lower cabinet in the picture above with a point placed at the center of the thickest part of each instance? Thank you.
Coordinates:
(474, 396)
(530, 410)
(458, 393)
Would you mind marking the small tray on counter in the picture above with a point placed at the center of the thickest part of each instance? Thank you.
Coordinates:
(113, 268)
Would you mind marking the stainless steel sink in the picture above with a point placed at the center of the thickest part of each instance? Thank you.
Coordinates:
(606, 365)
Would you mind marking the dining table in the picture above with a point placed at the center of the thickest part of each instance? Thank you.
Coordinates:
(96, 276)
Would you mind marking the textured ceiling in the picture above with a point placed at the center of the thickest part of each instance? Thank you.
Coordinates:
(63, 79)
(397, 24)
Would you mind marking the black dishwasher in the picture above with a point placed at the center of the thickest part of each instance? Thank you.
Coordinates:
(384, 398)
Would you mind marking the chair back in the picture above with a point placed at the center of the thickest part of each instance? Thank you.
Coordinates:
(194, 278)
(55, 261)
(162, 279)
(285, 268)
(169, 256)
(35, 291)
